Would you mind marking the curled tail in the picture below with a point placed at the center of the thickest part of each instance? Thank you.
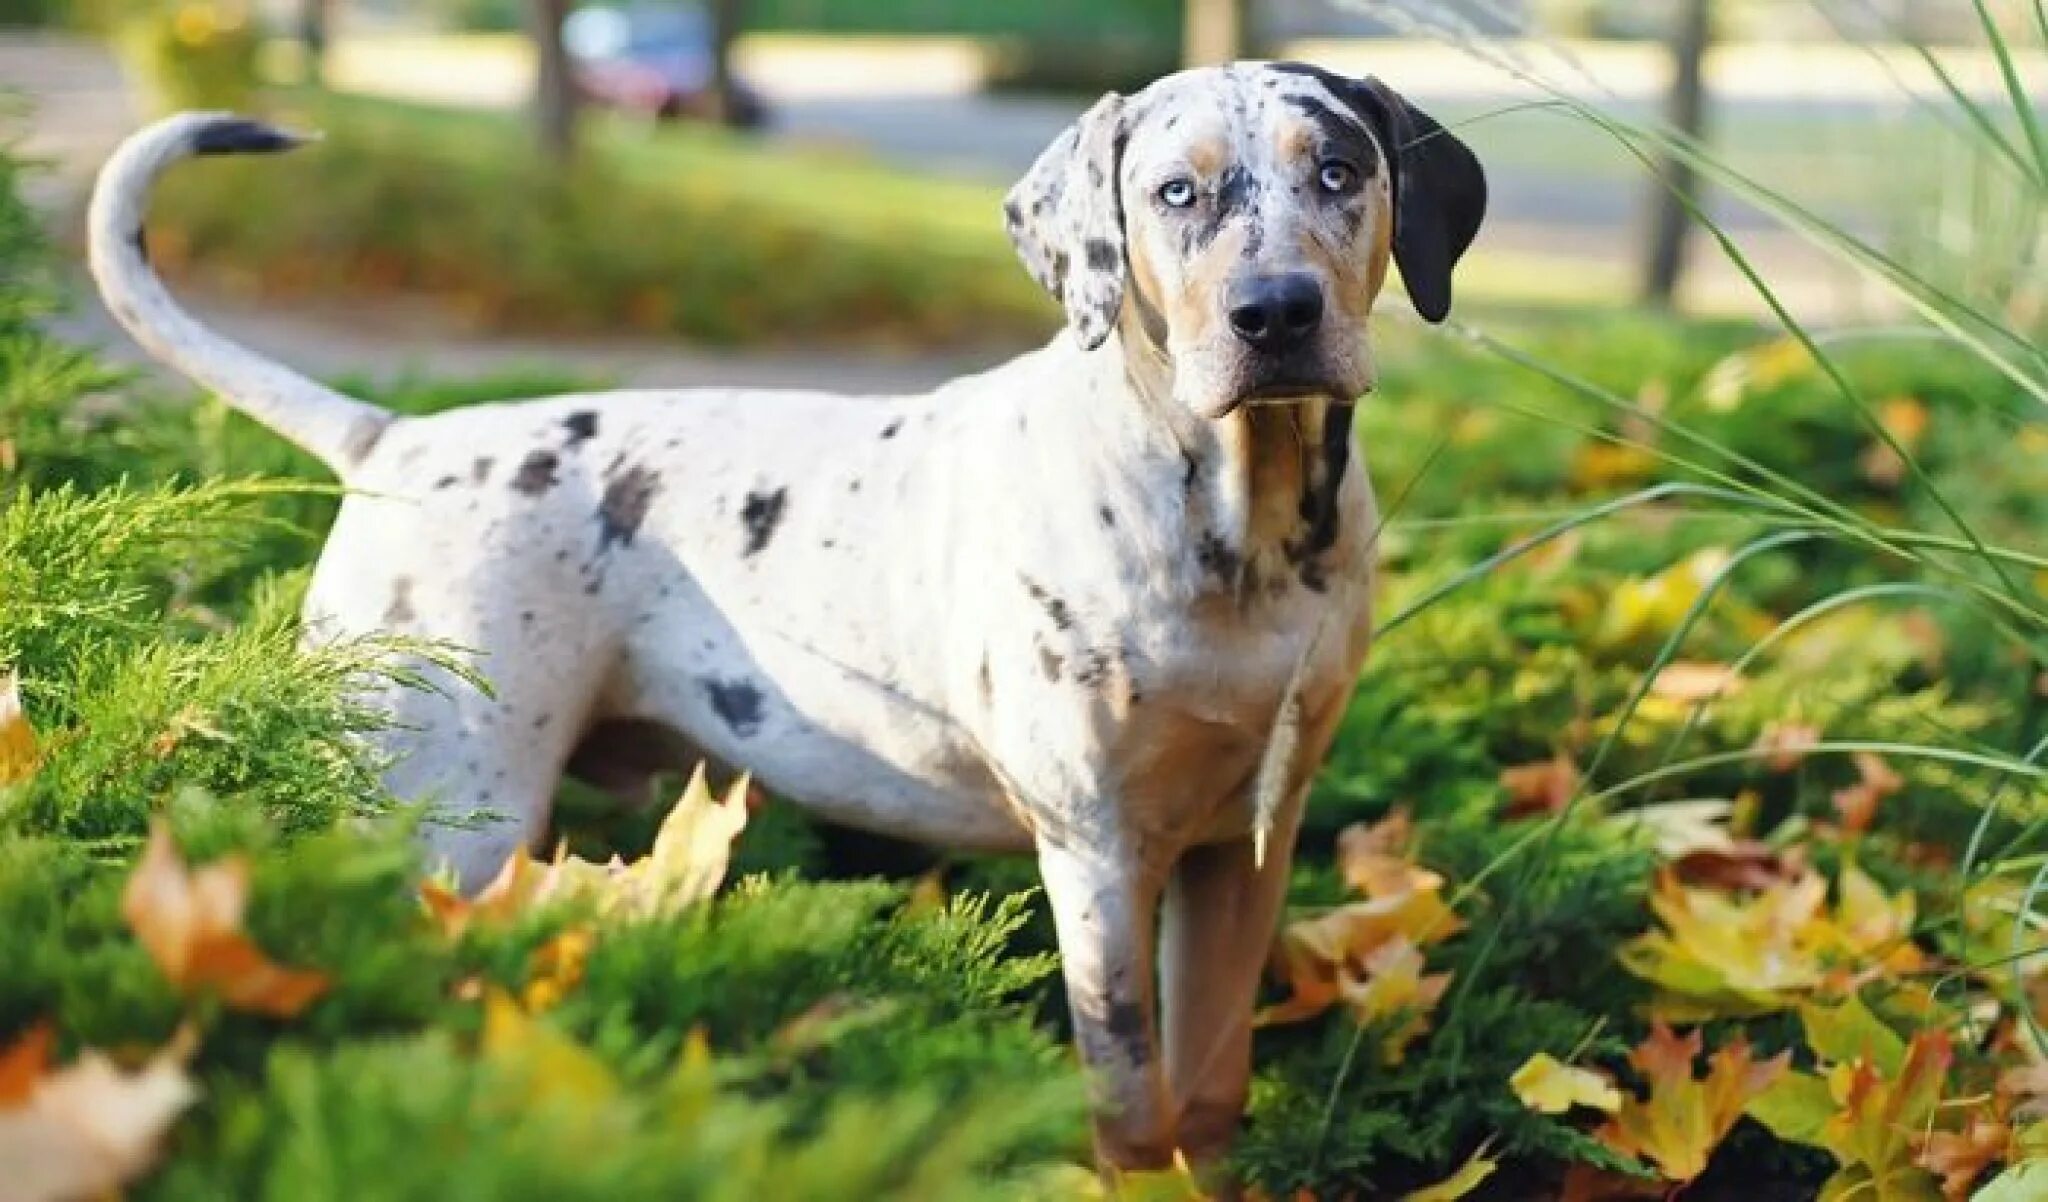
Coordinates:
(339, 429)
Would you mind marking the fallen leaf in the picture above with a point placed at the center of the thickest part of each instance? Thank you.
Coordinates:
(1880, 1117)
(1652, 607)
(1392, 986)
(1857, 804)
(1549, 1086)
(1601, 465)
(87, 1129)
(691, 852)
(1681, 828)
(555, 968)
(1678, 1126)
(1960, 1157)
(1692, 682)
(549, 1067)
(1716, 955)
(1745, 864)
(18, 752)
(1374, 859)
(1470, 1176)
(25, 1062)
(1325, 957)
(190, 922)
(1783, 746)
(2027, 1087)
(1539, 789)
(690, 855)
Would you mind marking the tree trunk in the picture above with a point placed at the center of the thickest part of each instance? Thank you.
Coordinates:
(315, 24)
(725, 30)
(1213, 32)
(554, 93)
(1686, 111)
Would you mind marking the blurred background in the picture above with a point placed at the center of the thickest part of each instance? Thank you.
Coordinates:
(818, 179)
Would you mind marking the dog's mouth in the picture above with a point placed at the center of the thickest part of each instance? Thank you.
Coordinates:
(1285, 391)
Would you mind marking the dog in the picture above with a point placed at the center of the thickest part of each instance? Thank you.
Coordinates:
(1103, 603)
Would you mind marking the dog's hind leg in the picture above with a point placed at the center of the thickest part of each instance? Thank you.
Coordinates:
(486, 762)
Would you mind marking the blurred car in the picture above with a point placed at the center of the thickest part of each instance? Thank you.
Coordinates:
(654, 60)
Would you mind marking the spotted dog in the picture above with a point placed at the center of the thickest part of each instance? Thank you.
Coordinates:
(1102, 603)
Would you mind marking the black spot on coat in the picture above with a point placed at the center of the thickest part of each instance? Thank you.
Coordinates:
(536, 473)
(624, 506)
(737, 704)
(400, 610)
(582, 427)
(761, 515)
(1056, 609)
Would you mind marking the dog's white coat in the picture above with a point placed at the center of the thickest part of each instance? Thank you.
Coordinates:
(992, 616)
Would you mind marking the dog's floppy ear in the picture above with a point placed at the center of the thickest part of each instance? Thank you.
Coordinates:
(1067, 222)
(1439, 195)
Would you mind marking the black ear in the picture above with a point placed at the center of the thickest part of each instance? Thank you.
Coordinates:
(1066, 220)
(1439, 195)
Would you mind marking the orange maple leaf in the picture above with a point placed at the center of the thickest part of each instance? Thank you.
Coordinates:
(1684, 1119)
(18, 753)
(191, 924)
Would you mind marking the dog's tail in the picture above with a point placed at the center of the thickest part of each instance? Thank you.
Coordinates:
(340, 430)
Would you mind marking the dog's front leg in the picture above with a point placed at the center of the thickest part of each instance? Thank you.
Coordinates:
(1105, 904)
(1221, 910)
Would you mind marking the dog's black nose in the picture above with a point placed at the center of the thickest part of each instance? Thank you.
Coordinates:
(1276, 312)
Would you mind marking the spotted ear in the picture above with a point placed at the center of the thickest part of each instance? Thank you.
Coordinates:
(1439, 195)
(1067, 223)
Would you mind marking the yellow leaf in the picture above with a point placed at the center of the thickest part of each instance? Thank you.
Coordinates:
(685, 866)
(18, 752)
(87, 1129)
(1470, 1176)
(1393, 986)
(690, 852)
(556, 967)
(549, 1065)
(1320, 955)
(1677, 1128)
(1546, 1085)
(190, 922)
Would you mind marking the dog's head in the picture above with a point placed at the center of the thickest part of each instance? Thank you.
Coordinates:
(1236, 222)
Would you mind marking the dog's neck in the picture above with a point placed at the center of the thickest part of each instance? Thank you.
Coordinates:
(1261, 482)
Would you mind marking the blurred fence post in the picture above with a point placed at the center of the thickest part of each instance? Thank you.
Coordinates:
(1213, 32)
(726, 16)
(1686, 111)
(315, 25)
(554, 92)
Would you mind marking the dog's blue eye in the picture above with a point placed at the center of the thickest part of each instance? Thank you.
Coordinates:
(1177, 193)
(1336, 176)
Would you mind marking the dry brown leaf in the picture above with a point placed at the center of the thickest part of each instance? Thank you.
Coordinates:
(87, 1129)
(1960, 1157)
(2027, 1087)
(191, 924)
(1691, 682)
(1745, 864)
(1535, 790)
(18, 752)
(1857, 804)
(1783, 746)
